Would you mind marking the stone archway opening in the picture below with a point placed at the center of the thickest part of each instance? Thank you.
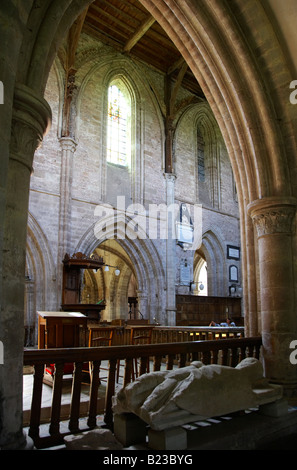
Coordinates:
(114, 284)
(200, 274)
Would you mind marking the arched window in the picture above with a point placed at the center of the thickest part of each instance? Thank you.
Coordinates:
(119, 124)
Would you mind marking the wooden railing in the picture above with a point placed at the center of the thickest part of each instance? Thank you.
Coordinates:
(173, 334)
(226, 352)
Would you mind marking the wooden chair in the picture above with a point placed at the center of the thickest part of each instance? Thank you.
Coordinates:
(100, 337)
(141, 335)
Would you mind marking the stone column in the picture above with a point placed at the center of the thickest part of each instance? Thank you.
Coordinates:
(170, 252)
(30, 120)
(273, 221)
(142, 305)
(68, 146)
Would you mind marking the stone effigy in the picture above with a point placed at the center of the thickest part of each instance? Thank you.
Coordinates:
(170, 398)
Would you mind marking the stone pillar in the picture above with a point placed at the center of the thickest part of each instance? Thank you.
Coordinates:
(142, 305)
(30, 120)
(273, 220)
(68, 146)
(170, 252)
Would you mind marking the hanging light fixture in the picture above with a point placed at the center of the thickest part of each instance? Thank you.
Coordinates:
(117, 272)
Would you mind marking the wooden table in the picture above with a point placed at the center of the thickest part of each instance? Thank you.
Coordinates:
(60, 329)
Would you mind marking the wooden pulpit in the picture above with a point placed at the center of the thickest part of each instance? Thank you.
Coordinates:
(71, 289)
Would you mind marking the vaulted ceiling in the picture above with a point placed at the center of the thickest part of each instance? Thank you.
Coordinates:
(128, 27)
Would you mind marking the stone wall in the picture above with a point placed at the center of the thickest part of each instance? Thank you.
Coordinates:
(66, 187)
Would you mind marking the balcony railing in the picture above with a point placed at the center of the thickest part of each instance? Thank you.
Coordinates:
(178, 354)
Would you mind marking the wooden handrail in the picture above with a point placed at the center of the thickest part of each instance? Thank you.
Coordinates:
(226, 351)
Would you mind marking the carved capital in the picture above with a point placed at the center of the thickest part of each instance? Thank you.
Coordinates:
(31, 119)
(68, 144)
(273, 215)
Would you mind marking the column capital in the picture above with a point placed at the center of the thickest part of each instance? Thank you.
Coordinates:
(273, 215)
(68, 143)
(31, 118)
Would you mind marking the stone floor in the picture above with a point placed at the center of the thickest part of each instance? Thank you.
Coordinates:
(250, 431)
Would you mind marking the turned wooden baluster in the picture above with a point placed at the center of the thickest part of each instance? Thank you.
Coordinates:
(157, 363)
(54, 428)
(169, 362)
(206, 357)
(144, 366)
(128, 371)
(215, 356)
(182, 360)
(95, 382)
(234, 357)
(108, 417)
(36, 402)
(225, 355)
(75, 397)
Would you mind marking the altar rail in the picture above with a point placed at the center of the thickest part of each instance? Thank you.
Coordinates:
(227, 352)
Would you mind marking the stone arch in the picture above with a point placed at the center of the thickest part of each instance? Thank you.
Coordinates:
(146, 263)
(116, 292)
(199, 263)
(206, 123)
(40, 277)
(214, 255)
(233, 85)
(222, 81)
(202, 119)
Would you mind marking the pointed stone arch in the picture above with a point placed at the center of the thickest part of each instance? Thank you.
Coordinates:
(40, 277)
(212, 249)
(146, 263)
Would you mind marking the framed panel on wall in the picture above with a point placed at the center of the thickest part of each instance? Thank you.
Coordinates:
(233, 273)
(233, 252)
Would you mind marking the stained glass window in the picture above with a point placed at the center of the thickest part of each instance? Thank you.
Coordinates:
(118, 135)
